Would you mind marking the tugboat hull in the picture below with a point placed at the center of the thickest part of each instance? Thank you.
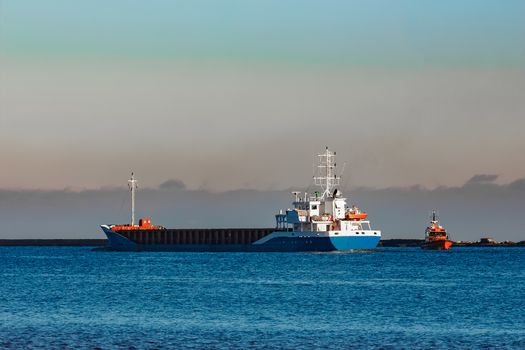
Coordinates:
(437, 245)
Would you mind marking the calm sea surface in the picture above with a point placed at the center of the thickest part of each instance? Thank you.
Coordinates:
(394, 298)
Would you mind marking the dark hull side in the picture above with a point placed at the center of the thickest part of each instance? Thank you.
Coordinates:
(187, 240)
(219, 236)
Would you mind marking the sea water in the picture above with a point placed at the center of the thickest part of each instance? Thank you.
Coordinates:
(392, 298)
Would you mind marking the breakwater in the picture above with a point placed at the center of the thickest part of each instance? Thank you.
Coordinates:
(53, 242)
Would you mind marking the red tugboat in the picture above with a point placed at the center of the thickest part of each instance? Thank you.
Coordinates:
(436, 236)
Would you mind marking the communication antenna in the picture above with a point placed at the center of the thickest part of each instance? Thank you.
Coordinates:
(434, 215)
(132, 184)
(326, 179)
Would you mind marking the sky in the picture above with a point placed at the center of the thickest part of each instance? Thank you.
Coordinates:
(230, 96)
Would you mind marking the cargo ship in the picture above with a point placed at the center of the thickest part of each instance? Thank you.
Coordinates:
(318, 221)
(436, 237)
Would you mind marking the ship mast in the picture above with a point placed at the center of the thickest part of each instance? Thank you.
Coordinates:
(132, 184)
(434, 216)
(326, 179)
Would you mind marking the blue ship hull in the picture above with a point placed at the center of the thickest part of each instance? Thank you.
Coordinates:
(278, 244)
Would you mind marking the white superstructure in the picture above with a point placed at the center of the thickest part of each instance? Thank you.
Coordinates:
(325, 213)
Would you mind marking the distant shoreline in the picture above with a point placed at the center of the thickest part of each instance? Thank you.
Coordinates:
(418, 242)
(103, 242)
(53, 242)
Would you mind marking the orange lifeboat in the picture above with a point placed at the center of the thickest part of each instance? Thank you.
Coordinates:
(355, 214)
(360, 216)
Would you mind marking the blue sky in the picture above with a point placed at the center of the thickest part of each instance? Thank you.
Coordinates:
(387, 33)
